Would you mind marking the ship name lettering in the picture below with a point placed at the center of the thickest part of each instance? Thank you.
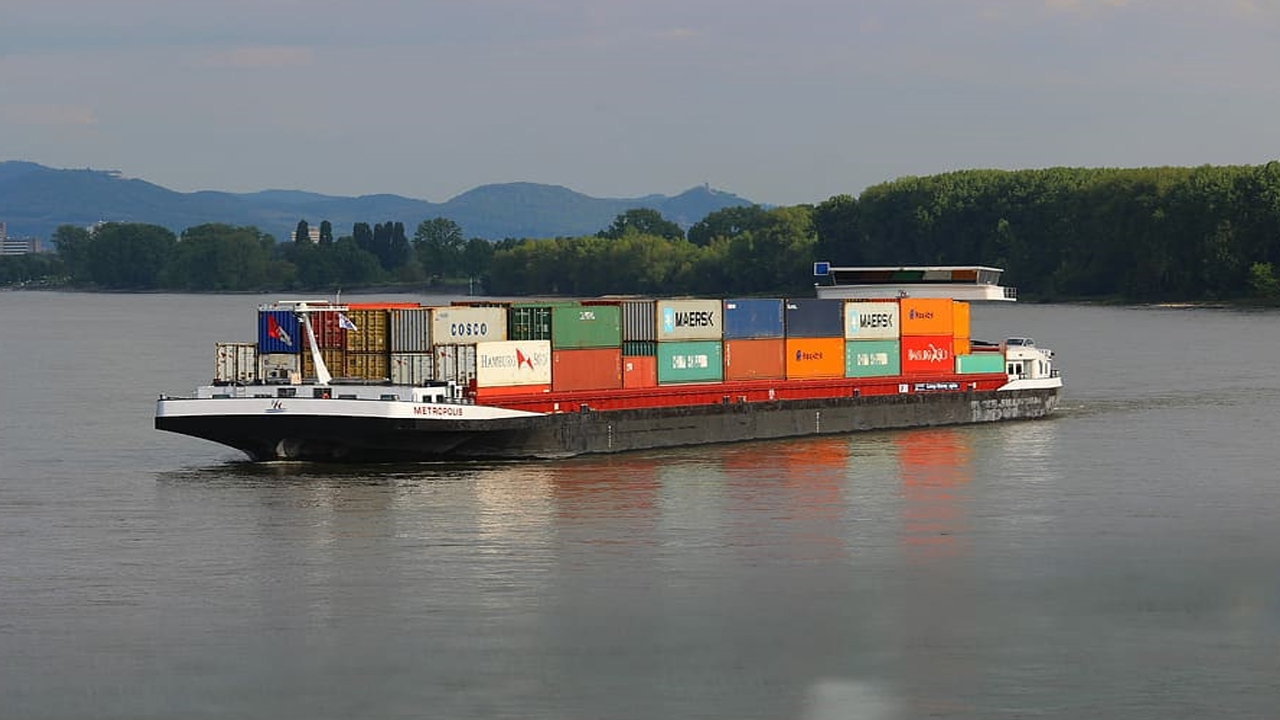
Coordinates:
(437, 410)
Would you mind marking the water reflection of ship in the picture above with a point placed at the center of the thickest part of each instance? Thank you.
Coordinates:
(935, 467)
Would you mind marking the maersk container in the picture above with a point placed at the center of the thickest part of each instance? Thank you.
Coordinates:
(689, 362)
(813, 358)
(871, 320)
(639, 321)
(454, 363)
(460, 325)
(278, 332)
(507, 363)
(235, 363)
(411, 330)
(872, 358)
(814, 318)
(756, 359)
(586, 326)
(991, 362)
(586, 369)
(279, 367)
(923, 354)
(689, 320)
(371, 330)
(753, 318)
(412, 368)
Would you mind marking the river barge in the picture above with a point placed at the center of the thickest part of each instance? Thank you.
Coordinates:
(877, 348)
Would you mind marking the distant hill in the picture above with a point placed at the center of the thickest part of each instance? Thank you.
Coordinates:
(35, 200)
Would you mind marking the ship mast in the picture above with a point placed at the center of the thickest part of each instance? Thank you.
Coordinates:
(302, 309)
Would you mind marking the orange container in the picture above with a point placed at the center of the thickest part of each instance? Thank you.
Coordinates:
(960, 319)
(639, 371)
(928, 355)
(755, 359)
(926, 316)
(809, 358)
(961, 346)
(586, 369)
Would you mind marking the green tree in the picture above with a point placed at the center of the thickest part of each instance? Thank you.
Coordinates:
(72, 245)
(644, 221)
(129, 256)
(302, 234)
(727, 223)
(326, 232)
(439, 245)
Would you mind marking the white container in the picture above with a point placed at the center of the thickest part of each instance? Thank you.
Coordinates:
(463, 325)
(871, 321)
(454, 363)
(689, 320)
(412, 368)
(235, 363)
(513, 362)
(279, 367)
(410, 330)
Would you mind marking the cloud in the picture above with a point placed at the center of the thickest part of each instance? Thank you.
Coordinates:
(48, 114)
(260, 56)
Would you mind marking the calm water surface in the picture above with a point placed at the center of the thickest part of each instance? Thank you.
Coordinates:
(1119, 560)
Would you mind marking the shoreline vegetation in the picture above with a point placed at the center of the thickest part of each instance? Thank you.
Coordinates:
(1166, 237)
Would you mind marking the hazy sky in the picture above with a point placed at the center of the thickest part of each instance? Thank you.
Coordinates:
(780, 102)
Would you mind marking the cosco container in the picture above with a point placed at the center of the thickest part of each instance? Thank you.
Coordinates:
(454, 363)
(513, 362)
(872, 358)
(335, 360)
(278, 332)
(639, 321)
(586, 369)
(688, 320)
(410, 330)
(926, 316)
(980, 363)
(586, 326)
(811, 358)
(753, 318)
(960, 319)
(639, 371)
(923, 354)
(815, 318)
(367, 366)
(371, 330)
(460, 325)
(412, 368)
(762, 359)
(235, 363)
(871, 320)
(687, 362)
(279, 367)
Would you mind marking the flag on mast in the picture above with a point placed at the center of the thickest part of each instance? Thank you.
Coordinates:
(345, 323)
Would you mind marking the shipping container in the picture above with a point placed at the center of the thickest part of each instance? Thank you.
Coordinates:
(412, 368)
(367, 366)
(278, 332)
(980, 363)
(529, 322)
(454, 363)
(461, 325)
(327, 328)
(513, 362)
(922, 354)
(871, 320)
(694, 361)
(872, 358)
(639, 347)
(235, 363)
(688, 320)
(753, 318)
(760, 359)
(815, 318)
(370, 335)
(410, 330)
(335, 359)
(926, 316)
(279, 367)
(586, 369)
(960, 319)
(639, 321)
(383, 306)
(586, 326)
(961, 346)
(640, 371)
(809, 358)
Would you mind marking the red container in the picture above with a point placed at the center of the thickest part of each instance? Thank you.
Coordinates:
(639, 371)
(586, 369)
(928, 355)
(755, 359)
(329, 334)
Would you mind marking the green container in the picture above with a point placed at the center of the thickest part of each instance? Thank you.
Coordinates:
(529, 322)
(586, 326)
(872, 358)
(980, 363)
(639, 347)
(689, 362)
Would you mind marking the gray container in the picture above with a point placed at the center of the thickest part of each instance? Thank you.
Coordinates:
(411, 330)
(236, 363)
(638, 321)
(412, 368)
(454, 363)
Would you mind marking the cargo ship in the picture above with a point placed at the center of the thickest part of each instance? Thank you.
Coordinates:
(875, 348)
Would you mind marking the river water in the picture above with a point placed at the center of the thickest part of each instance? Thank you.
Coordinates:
(1118, 560)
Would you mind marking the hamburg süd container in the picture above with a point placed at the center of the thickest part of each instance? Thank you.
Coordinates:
(463, 325)
(278, 332)
(586, 326)
(815, 318)
(811, 358)
(410, 330)
(759, 359)
(690, 319)
(871, 320)
(922, 354)
(926, 316)
(691, 361)
(371, 331)
(753, 318)
(872, 358)
(639, 371)
(586, 369)
(412, 368)
(990, 362)
(505, 363)
(235, 363)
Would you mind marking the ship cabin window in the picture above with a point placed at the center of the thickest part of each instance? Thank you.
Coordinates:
(286, 392)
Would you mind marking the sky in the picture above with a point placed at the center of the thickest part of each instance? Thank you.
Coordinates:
(778, 102)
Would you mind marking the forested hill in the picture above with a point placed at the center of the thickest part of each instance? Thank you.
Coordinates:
(35, 200)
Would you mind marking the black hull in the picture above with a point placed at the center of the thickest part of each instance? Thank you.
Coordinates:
(355, 439)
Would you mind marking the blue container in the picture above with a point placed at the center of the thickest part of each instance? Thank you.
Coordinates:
(279, 332)
(753, 318)
(814, 318)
